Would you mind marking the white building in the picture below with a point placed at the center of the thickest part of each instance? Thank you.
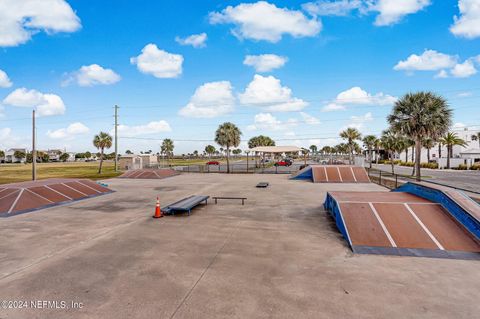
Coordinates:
(461, 155)
(10, 155)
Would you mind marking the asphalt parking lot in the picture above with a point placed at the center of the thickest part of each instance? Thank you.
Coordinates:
(278, 256)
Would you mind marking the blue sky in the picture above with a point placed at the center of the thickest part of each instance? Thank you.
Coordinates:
(297, 71)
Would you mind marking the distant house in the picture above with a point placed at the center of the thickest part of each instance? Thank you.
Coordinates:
(10, 155)
(54, 155)
(137, 161)
(71, 156)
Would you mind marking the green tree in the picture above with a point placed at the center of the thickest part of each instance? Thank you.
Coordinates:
(228, 135)
(2, 154)
(88, 154)
(128, 152)
(350, 135)
(419, 116)
(19, 154)
(449, 140)
(210, 150)
(313, 149)
(102, 141)
(260, 140)
(369, 144)
(428, 143)
(392, 143)
(64, 157)
(167, 148)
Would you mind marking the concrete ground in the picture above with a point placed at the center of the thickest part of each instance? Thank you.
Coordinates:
(279, 256)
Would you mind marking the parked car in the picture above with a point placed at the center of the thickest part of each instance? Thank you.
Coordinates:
(284, 162)
(213, 163)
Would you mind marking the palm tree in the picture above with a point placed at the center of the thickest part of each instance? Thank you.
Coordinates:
(369, 143)
(167, 148)
(418, 116)
(210, 149)
(449, 140)
(313, 149)
(102, 141)
(305, 154)
(392, 143)
(228, 135)
(476, 137)
(351, 135)
(428, 143)
(260, 140)
(377, 145)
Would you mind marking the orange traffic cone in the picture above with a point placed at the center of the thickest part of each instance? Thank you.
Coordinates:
(158, 211)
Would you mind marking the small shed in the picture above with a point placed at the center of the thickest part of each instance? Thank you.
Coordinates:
(130, 161)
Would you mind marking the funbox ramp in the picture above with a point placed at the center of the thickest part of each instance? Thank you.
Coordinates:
(403, 223)
(333, 174)
(18, 198)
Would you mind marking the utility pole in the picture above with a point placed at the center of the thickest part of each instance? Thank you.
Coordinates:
(34, 150)
(116, 137)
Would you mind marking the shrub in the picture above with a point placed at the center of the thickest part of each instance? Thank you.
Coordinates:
(429, 165)
(462, 167)
(475, 166)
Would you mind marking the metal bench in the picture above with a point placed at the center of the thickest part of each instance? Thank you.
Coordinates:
(185, 205)
(262, 185)
(223, 197)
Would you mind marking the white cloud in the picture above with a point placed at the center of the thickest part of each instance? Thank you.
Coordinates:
(465, 94)
(268, 93)
(359, 122)
(458, 125)
(392, 11)
(468, 24)
(442, 74)
(20, 19)
(358, 96)
(266, 121)
(429, 60)
(265, 62)
(158, 63)
(195, 40)
(309, 119)
(4, 80)
(332, 8)
(149, 128)
(94, 74)
(210, 100)
(265, 21)
(69, 132)
(9, 140)
(45, 104)
(464, 70)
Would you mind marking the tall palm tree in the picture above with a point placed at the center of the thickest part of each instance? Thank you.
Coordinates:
(392, 143)
(210, 149)
(377, 145)
(102, 141)
(351, 135)
(449, 140)
(305, 155)
(228, 135)
(167, 148)
(369, 143)
(313, 149)
(418, 116)
(428, 143)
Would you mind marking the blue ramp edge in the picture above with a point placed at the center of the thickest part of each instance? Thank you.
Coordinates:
(305, 173)
(468, 221)
(332, 206)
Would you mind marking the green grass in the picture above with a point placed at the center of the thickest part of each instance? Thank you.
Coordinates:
(11, 173)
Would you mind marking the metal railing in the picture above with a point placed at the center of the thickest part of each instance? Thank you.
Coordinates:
(239, 168)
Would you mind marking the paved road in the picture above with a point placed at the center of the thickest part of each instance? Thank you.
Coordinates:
(469, 180)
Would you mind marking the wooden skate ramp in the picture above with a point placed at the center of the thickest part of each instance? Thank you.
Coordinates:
(149, 173)
(398, 223)
(339, 174)
(24, 197)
